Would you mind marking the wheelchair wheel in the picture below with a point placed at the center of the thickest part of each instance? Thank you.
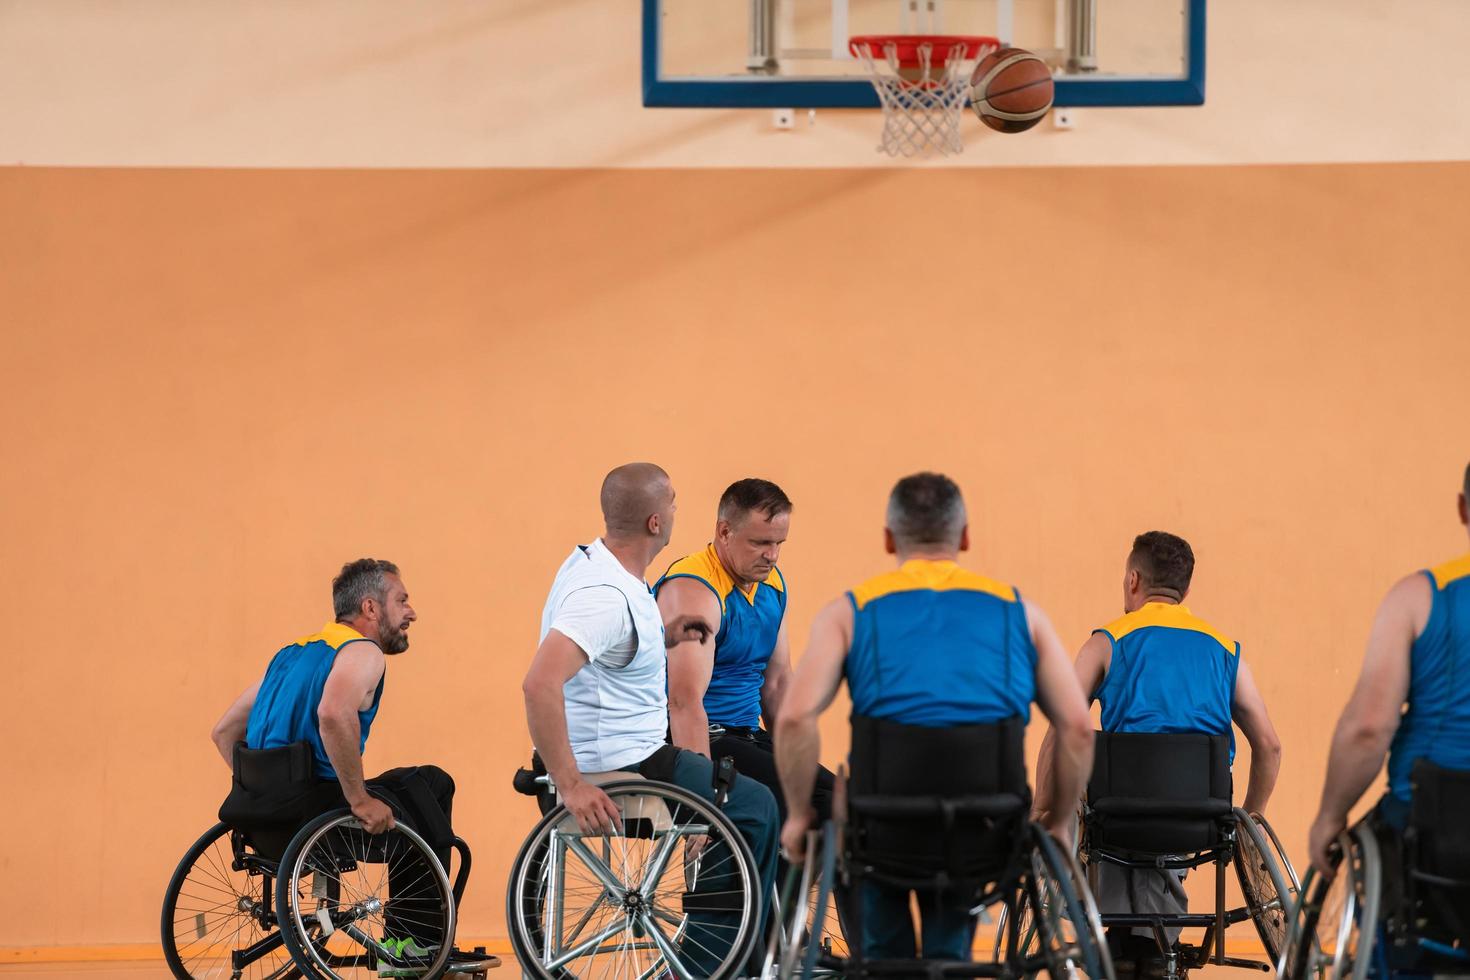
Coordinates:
(1268, 896)
(1066, 929)
(342, 891)
(792, 949)
(218, 920)
(1332, 933)
(648, 900)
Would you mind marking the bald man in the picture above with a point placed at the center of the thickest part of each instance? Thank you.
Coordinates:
(597, 691)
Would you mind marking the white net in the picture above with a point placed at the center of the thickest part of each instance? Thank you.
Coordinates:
(923, 102)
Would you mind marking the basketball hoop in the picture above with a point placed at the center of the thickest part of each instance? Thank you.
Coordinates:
(923, 84)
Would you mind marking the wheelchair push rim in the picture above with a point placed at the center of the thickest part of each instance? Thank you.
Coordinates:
(641, 902)
(1268, 897)
(790, 949)
(1335, 925)
(218, 921)
(1057, 910)
(334, 925)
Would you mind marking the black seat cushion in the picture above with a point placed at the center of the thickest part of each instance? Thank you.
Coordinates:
(1156, 794)
(936, 804)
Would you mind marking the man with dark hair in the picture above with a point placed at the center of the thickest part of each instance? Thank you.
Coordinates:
(721, 687)
(1410, 703)
(1162, 669)
(597, 691)
(324, 691)
(934, 645)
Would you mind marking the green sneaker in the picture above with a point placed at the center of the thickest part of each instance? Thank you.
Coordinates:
(411, 958)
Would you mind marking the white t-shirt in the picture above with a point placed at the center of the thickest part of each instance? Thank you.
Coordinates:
(617, 705)
(596, 618)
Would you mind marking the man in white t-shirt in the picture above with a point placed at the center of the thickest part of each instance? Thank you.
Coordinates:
(597, 691)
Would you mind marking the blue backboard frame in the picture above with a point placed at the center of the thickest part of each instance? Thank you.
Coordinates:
(765, 92)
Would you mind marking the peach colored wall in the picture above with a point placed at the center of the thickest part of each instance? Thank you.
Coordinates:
(217, 386)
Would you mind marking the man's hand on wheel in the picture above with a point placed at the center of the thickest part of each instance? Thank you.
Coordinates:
(1320, 841)
(374, 815)
(595, 811)
(683, 628)
(793, 835)
(1060, 827)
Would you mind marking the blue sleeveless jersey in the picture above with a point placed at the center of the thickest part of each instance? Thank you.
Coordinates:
(285, 707)
(1436, 725)
(749, 625)
(1170, 672)
(936, 645)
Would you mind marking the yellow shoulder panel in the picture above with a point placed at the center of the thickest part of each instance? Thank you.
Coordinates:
(1450, 571)
(965, 579)
(1169, 617)
(705, 566)
(881, 585)
(935, 576)
(775, 580)
(334, 635)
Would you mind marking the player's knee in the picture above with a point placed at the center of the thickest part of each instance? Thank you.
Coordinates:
(759, 802)
(440, 782)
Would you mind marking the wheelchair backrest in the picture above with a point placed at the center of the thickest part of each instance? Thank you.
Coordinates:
(928, 801)
(1438, 822)
(1158, 793)
(273, 770)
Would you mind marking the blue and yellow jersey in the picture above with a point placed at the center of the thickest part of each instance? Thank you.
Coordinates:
(1436, 725)
(749, 624)
(1170, 672)
(285, 706)
(936, 645)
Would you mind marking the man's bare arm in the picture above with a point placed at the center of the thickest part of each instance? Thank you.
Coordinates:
(557, 660)
(1091, 667)
(354, 677)
(1368, 723)
(778, 678)
(232, 724)
(682, 601)
(1249, 713)
(798, 741)
(1062, 701)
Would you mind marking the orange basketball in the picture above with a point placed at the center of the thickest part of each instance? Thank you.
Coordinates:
(1011, 90)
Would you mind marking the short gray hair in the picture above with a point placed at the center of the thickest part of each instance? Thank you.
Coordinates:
(926, 508)
(359, 580)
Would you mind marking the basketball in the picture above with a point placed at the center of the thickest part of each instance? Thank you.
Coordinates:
(1011, 90)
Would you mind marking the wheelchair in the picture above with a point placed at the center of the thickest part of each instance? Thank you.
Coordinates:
(271, 898)
(910, 819)
(676, 892)
(1399, 903)
(1163, 802)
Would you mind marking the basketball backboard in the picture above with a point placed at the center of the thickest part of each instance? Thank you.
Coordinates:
(793, 53)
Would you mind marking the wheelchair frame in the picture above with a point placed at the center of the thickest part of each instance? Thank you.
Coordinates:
(652, 810)
(1355, 950)
(1211, 950)
(271, 918)
(1036, 860)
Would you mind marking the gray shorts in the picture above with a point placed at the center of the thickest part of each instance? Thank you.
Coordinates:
(1141, 890)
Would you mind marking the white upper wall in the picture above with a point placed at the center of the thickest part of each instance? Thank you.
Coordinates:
(555, 83)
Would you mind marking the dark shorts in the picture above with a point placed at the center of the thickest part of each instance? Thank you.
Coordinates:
(754, 755)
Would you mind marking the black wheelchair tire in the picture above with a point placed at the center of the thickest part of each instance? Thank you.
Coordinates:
(294, 943)
(1095, 959)
(1249, 826)
(826, 883)
(171, 898)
